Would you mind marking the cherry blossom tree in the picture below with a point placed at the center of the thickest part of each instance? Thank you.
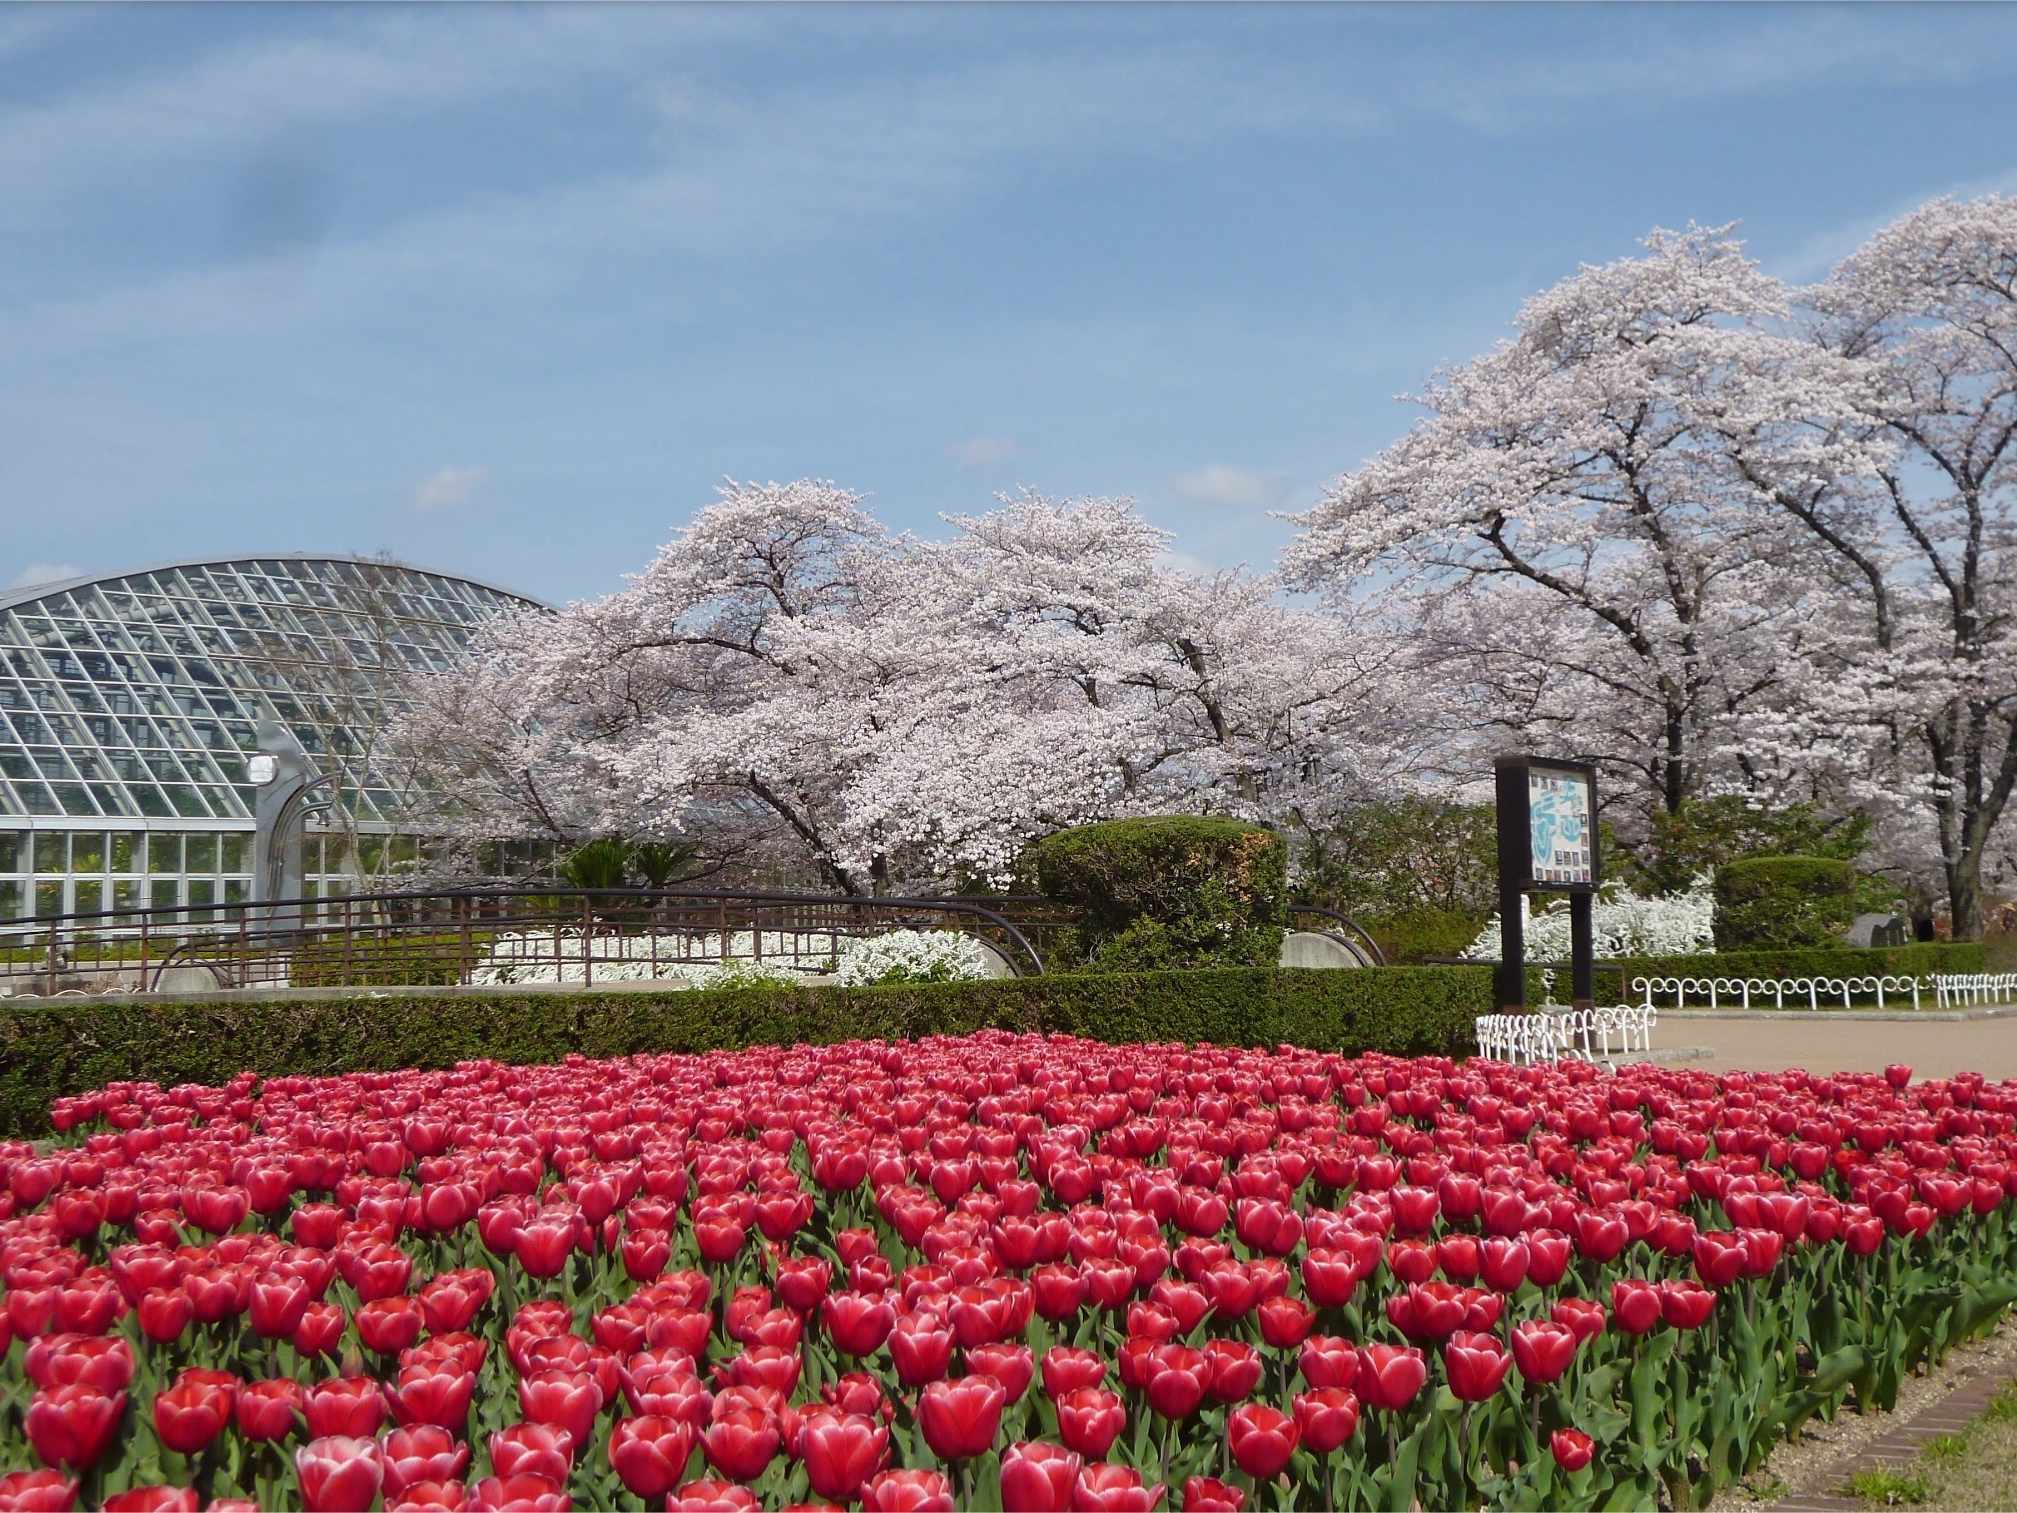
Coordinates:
(1567, 531)
(813, 695)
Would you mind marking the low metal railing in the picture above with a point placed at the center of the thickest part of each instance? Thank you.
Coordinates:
(490, 937)
(1606, 1034)
(1940, 991)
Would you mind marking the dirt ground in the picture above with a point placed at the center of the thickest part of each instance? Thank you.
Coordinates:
(1931, 1047)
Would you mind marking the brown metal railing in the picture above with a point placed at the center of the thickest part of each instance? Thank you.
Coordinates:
(477, 937)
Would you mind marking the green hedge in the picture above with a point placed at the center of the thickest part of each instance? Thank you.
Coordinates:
(1167, 891)
(1784, 902)
(73, 1045)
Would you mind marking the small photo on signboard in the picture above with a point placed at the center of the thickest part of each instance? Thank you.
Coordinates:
(1561, 827)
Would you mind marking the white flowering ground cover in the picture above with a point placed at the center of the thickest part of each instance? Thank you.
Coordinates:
(1624, 924)
(912, 956)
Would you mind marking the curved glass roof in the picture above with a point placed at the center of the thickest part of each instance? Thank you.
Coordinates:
(135, 696)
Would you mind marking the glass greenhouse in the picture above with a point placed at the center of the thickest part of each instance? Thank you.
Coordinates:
(127, 709)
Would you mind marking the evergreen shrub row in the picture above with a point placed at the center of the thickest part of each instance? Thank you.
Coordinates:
(70, 1046)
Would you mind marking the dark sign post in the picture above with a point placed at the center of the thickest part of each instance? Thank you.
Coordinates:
(1547, 844)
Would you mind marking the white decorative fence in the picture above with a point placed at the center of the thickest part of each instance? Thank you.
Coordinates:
(1945, 991)
(1567, 1034)
(1975, 990)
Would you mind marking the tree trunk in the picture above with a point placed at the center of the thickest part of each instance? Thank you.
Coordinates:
(1964, 895)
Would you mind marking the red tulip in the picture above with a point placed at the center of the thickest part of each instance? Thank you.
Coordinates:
(520, 1494)
(533, 1450)
(1236, 1370)
(1600, 1235)
(649, 1454)
(1065, 1368)
(1719, 1257)
(421, 1454)
(1547, 1257)
(1037, 1478)
(1327, 1418)
(1011, 1365)
(565, 1399)
(433, 1392)
(346, 1407)
(320, 1330)
(857, 1322)
(1207, 1494)
(1571, 1448)
(1684, 1305)
(1390, 1377)
(389, 1325)
(43, 1491)
(741, 1442)
(1285, 1322)
(1060, 1291)
(543, 1246)
(1898, 1075)
(960, 1418)
(278, 1301)
(1582, 1315)
(1090, 1419)
(841, 1452)
(711, 1497)
(921, 1347)
(71, 1426)
(100, 1361)
(1327, 1361)
(339, 1474)
(164, 1313)
(1476, 1364)
(1635, 1305)
(1262, 1439)
(1543, 1350)
(154, 1500)
(908, 1492)
(1105, 1488)
(190, 1414)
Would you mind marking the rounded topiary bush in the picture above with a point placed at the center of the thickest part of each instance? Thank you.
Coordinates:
(1168, 891)
(1784, 902)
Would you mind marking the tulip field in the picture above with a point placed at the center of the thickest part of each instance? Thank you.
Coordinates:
(991, 1271)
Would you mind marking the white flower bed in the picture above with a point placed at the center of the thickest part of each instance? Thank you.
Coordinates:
(1624, 925)
(743, 973)
(912, 956)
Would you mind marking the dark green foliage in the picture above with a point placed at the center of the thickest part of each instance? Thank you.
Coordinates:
(72, 1045)
(401, 961)
(1412, 856)
(1707, 834)
(1168, 891)
(1781, 902)
(601, 863)
(1413, 936)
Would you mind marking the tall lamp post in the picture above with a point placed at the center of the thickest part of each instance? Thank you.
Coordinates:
(1547, 844)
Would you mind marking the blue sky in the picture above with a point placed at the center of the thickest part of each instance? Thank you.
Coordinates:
(507, 291)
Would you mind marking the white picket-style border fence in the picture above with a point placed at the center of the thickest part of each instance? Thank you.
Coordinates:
(1941, 991)
(1608, 1034)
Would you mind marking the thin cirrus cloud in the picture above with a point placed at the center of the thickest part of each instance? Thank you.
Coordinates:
(1233, 488)
(37, 573)
(981, 451)
(445, 488)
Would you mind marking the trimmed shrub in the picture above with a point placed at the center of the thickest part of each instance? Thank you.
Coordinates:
(69, 1046)
(1168, 891)
(1797, 902)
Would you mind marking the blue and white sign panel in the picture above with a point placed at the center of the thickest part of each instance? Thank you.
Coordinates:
(1561, 827)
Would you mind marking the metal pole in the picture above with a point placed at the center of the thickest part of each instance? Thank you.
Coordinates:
(1511, 783)
(1582, 952)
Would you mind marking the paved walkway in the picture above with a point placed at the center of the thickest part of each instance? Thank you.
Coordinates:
(1931, 1047)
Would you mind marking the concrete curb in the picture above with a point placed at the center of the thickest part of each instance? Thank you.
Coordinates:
(1853, 1016)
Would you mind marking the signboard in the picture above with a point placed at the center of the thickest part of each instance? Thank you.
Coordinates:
(1561, 827)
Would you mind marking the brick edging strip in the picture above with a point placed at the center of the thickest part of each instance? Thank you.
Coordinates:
(1901, 1444)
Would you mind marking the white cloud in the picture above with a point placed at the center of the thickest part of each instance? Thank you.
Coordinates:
(981, 451)
(1235, 488)
(44, 572)
(447, 487)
